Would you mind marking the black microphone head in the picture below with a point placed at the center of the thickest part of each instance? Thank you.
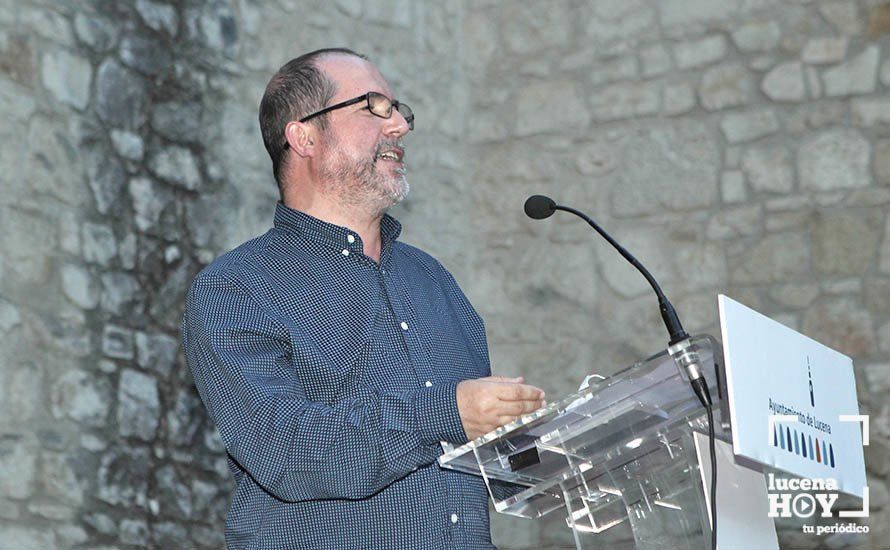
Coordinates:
(539, 207)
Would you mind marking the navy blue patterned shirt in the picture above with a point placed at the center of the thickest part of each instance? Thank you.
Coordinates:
(331, 379)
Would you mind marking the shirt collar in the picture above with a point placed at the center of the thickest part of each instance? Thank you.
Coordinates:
(301, 224)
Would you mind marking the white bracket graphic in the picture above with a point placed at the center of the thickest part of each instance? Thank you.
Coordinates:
(863, 418)
(857, 513)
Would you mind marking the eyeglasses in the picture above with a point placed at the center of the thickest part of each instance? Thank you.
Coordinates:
(378, 104)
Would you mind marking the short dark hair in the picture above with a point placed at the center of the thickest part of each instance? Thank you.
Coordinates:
(299, 88)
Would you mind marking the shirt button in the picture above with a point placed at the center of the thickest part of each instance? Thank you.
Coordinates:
(404, 325)
(345, 252)
(350, 238)
(428, 384)
(453, 518)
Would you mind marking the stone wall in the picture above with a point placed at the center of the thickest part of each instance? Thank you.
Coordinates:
(736, 146)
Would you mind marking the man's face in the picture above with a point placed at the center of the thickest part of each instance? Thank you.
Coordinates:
(362, 157)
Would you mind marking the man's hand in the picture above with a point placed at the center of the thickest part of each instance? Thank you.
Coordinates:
(487, 403)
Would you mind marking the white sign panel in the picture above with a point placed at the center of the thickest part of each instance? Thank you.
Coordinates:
(792, 401)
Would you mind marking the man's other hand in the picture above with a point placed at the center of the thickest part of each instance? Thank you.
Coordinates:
(487, 403)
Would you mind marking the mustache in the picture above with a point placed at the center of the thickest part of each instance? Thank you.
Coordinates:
(387, 144)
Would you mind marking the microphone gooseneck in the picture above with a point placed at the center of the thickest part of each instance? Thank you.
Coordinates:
(540, 207)
(680, 346)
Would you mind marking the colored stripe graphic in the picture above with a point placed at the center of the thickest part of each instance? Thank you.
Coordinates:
(818, 453)
(831, 450)
(803, 444)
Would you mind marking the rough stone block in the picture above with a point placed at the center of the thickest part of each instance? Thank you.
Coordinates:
(167, 534)
(27, 538)
(768, 169)
(59, 480)
(138, 405)
(774, 259)
(117, 342)
(106, 178)
(785, 82)
(120, 293)
(732, 186)
(71, 535)
(50, 510)
(127, 144)
(726, 86)
(655, 60)
(80, 396)
(884, 258)
(121, 96)
(158, 16)
(176, 165)
(134, 531)
(616, 28)
(833, 234)
(67, 77)
(149, 201)
(79, 286)
(173, 492)
(859, 75)
(749, 125)
(757, 36)
(882, 161)
(95, 31)
(185, 419)
(626, 100)
(870, 112)
(535, 26)
(127, 251)
(795, 296)
(736, 222)
(99, 245)
(843, 15)
(842, 324)
(700, 52)
(878, 377)
(825, 50)
(835, 159)
(121, 477)
(621, 68)
(678, 97)
(148, 55)
(534, 100)
(18, 464)
(156, 352)
(179, 122)
(680, 172)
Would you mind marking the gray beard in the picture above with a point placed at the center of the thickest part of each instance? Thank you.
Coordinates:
(361, 185)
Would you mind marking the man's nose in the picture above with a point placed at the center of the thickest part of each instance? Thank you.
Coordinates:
(396, 125)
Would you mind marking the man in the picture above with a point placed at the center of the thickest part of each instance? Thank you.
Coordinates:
(334, 358)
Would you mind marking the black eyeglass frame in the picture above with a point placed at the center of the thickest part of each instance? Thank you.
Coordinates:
(393, 104)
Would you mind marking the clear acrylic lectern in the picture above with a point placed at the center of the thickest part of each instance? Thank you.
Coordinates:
(619, 450)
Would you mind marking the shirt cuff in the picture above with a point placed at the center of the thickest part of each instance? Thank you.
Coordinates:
(437, 416)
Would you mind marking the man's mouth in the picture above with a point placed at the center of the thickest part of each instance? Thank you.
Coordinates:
(394, 154)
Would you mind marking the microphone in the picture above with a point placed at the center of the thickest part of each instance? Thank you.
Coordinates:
(540, 207)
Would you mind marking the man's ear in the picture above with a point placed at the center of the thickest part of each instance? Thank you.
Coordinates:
(301, 137)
